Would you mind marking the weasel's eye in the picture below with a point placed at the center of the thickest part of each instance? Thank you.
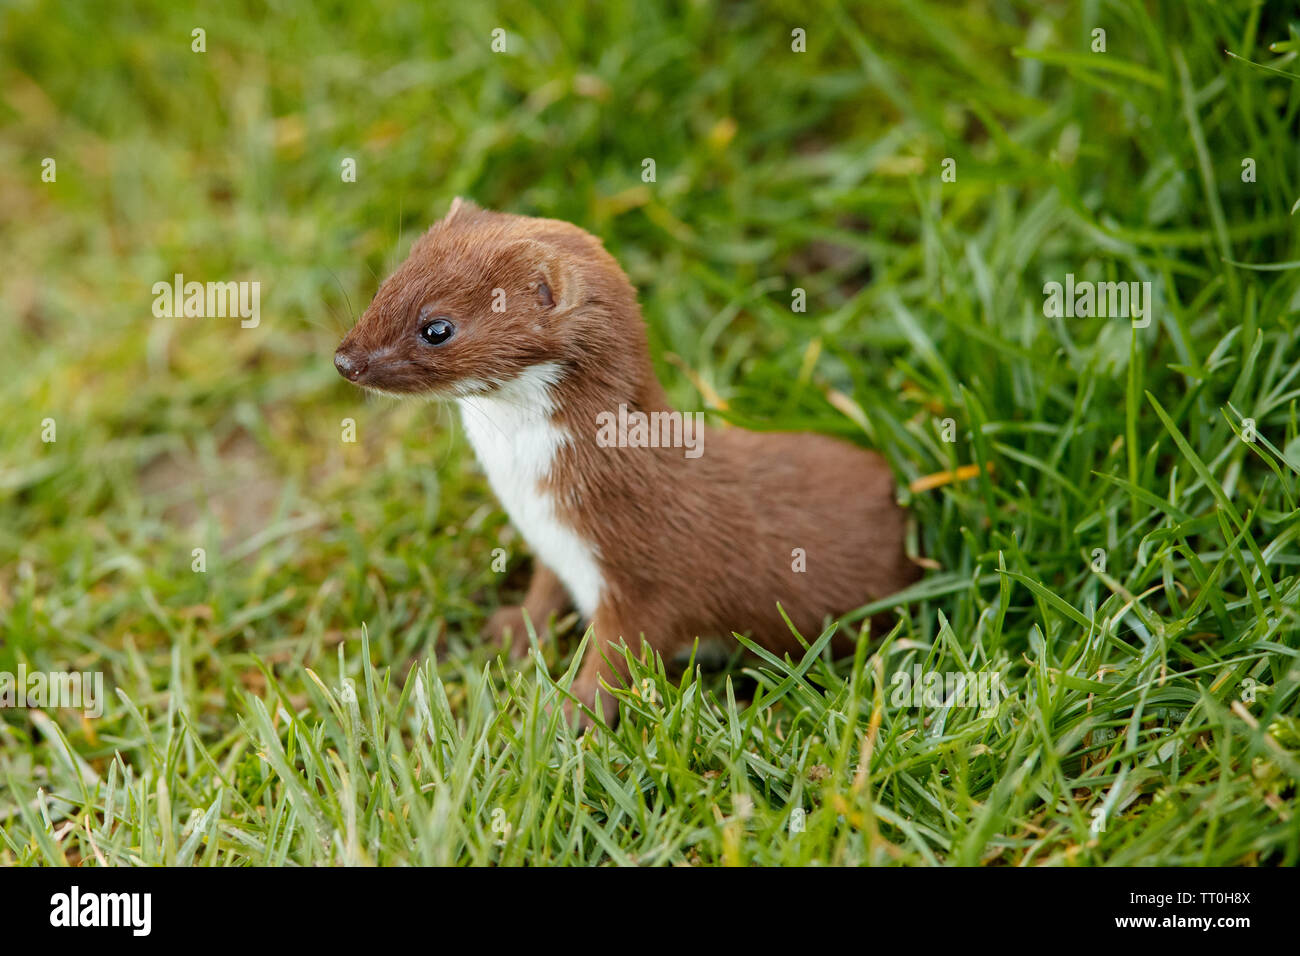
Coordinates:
(437, 331)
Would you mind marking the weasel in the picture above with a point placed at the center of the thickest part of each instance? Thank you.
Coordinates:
(533, 329)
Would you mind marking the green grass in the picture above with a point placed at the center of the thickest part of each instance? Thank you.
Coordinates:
(320, 695)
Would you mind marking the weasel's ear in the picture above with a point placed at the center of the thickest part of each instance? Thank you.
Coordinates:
(551, 275)
(460, 206)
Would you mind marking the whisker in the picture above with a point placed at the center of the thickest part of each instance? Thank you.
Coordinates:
(351, 311)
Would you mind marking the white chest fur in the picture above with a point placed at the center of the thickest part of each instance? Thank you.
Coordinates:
(516, 442)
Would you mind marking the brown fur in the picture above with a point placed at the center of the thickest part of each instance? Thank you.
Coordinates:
(687, 546)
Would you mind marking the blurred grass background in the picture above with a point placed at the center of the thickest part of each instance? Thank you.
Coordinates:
(776, 170)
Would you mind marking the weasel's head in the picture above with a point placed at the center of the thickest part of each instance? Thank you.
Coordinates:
(484, 296)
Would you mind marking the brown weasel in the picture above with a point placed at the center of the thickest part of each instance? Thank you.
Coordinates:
(535, 331)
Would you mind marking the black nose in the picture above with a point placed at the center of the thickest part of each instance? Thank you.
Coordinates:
(349, 367)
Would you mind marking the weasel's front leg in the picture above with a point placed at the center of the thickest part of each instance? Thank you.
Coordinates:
(546, 595)
(604, 661)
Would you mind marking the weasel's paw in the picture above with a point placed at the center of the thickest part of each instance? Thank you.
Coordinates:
(506, 625)
(581, 717)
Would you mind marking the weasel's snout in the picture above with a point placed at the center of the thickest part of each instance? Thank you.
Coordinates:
(350, 366)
